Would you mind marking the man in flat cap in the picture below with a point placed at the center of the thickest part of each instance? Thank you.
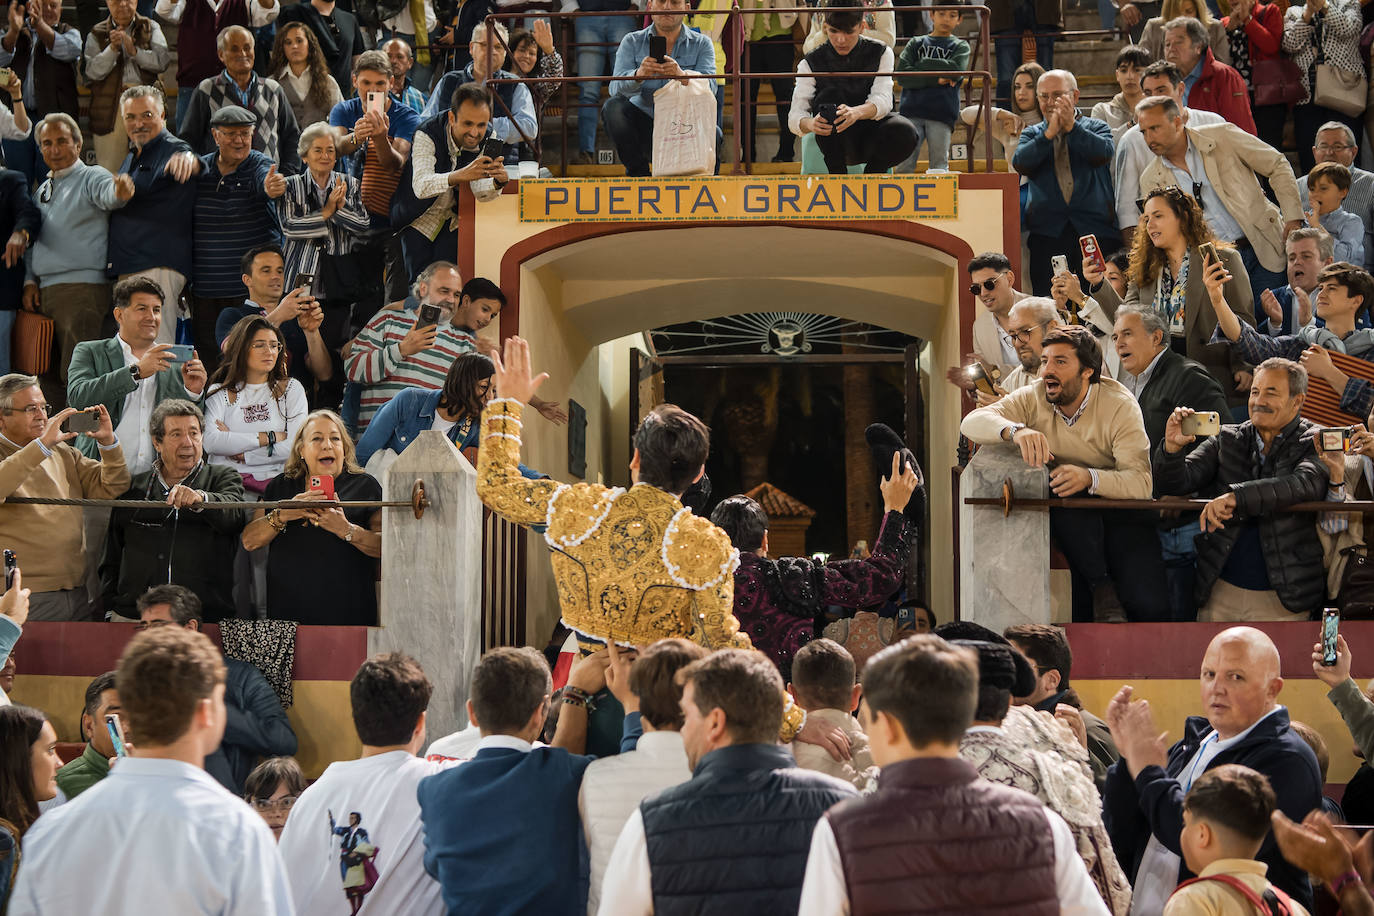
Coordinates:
(232, 214)
(276, 132)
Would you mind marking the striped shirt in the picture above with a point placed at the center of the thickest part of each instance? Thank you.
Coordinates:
(307, 233)
(232, 214)
(376, 363)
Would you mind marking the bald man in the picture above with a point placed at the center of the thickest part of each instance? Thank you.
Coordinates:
(1244, 724)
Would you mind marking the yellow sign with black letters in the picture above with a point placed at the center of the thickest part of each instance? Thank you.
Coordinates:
(769, 198)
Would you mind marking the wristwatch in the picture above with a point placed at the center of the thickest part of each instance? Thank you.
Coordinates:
(271, 442)
(135, 374)
(348, 538)
(1009, 432)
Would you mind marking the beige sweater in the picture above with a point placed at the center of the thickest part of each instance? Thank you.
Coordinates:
(49, 539)
(856, 771)
(1109, 436)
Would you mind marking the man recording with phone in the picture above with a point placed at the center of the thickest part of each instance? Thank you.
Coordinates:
(1254, 562)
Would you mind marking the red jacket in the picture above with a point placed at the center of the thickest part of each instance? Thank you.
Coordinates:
(1221, 89)
(1264, 28)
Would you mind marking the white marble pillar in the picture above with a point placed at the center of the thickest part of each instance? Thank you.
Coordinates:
(1004, 563)
(431, 605)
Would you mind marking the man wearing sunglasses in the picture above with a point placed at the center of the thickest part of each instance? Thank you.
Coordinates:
(992, 283)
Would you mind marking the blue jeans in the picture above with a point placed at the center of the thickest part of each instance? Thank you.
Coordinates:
(1179, 552)
(184, 96)
(936, 135)
(1009, 56)
(595, 62)
(6, 330)
(1106, 12)
(1260, 278)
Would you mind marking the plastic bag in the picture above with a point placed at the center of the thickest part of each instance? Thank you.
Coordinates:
(684, 129)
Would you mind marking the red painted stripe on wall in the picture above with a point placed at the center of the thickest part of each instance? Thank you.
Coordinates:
(1175, 650)
(87, 649)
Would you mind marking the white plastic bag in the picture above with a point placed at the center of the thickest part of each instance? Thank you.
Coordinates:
(684, 129)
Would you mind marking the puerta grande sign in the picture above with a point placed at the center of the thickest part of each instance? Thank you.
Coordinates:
(739, 198)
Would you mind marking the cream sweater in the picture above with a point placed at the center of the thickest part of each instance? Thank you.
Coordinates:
(49, 539)
(1109, 436)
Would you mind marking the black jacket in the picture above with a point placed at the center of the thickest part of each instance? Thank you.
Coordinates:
(255, 727)
(17, 211)
(1291, 473)
(136, 551)
(1153, 801)
(1178, 382)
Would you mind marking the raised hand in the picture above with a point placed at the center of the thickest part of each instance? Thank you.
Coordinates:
(274, 185)
(513, 374)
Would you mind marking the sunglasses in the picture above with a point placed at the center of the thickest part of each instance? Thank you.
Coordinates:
(986, 286)
(1175, 193)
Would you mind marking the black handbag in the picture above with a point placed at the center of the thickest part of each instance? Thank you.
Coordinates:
(1356, 595)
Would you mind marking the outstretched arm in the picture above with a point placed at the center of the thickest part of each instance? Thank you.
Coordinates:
(499, 481)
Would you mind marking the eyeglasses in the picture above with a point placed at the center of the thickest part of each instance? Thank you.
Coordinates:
(32, 410)
(1174, 193)
(285, 803)
(986, 286)
(1024, 334)
(149, 624)
(45, 192)
(1332, 147)
(266, 345)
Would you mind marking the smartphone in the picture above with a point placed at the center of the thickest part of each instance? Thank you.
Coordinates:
(658, 48)
(429, 316)
(494, 148)
(1209, 252)
(116, 730)
(6, 74)
(11, 564)
(1093, 251)
(376, 102)
(85, 421)
(1331, 622)
(1335, 439)
(982, 380)
(1059, 264)
(323, 483)
(828, 112)
(305, 282)
(1207, 423)
(180, 353)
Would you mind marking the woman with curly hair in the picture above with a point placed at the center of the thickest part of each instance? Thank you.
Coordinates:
(28, 775)
(1169, 274)
(316, 573)
(298, 64)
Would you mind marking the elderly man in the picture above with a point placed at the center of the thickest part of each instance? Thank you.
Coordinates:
(1067, 160)
(1254, 562)
(151, 235)
(124, 50)
(1221, 166)
(1335, 142)
(1288, 309)
(447, 153)
(139, 550)
(1133, 154)
(1162, 379)
(43, 52)
(66, 265)
(1209, 85)
(515, 98)
(1090, 427)
(199, 25)
(1143, 801)
(1030, 320)
(274, 132)
(232, 214)
(398, 52)
(36, 460)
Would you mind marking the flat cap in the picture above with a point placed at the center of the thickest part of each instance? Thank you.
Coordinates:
(232, 116)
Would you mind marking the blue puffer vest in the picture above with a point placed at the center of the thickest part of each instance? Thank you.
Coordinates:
(735, 837)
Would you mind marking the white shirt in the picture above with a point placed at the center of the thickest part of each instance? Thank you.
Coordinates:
(133, 422)
(1222, 223)
(460, 745)
(382, 790)
(154, 836)
(1132, 155)
(824, 891)
(258, 16)
(879, 93)
(254, 411)
(1157, 876)
(404, 23)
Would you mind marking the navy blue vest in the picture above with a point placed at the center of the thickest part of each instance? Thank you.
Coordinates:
(735, 837)
(845, 90)
(405, 206)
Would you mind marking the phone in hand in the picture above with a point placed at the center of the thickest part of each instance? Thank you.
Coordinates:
(116, 730)
(658, 48)
(494, 148)
(180, 353)
(85, 421)
(376, 103)
(828, 112)
(1059, 264)
(11, 564)
(6, 74)
(323, 483)
(1209, 251)
(304, 281)
(1331, 622)
(984, 379)
(1092, 252)
(428, 317)
(1207, 423)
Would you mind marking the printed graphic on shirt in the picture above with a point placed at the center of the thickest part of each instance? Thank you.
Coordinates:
(357, 852)
(255, 413)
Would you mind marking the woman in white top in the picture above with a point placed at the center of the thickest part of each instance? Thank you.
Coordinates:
(298, 64)
(254, 407)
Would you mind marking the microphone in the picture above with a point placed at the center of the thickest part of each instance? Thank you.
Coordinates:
(883, 443)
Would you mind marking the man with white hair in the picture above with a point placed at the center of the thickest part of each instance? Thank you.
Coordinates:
(1244, 724)
(1067, 160)
(1031, 319)
(1336, 142)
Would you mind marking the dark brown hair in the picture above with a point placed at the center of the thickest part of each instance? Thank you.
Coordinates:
(1235, 797)
(20, 727)
(823, 675)
(315, 64)
(232, 373)
(743, 520)
(1315, 741)
(745, 686)
(272, 772)
(1356, 280)
(1084, 345)
(164, 673)
(1046, 646)
(1146, 259)
(388, 694)
(653, 678)
(673, 446)
(1334, 172)
(129, 287)
(927, 685)
(460, 384)
(509, 685)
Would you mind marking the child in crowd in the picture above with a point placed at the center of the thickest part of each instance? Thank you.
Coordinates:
(1119, 110)
(1225, 820)
(1327, 185)
(823, 684)
(931, 103)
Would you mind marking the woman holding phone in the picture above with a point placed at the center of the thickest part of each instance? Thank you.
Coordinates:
(28, 775)
(331, 541)
(1169, 273)
(253, 407)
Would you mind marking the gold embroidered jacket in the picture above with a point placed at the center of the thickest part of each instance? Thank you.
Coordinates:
(631, 566)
